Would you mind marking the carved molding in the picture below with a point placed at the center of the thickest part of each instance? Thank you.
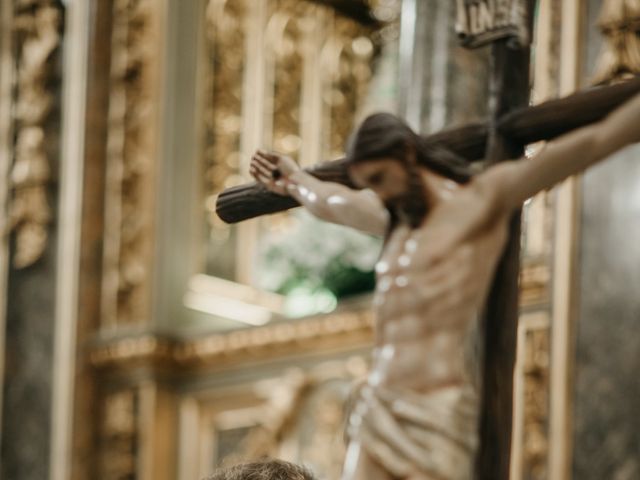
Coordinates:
(535, 369)
(37, 36)
(535, 282)
(347, 63)
(530, 447)
(285, 37)
(304, 417)
(299, 96)
(131, 158)
(297, 414)
(225, 36)
(530, 453)
(237, 347)
(118, 439)
(346, 329)
(620, 57)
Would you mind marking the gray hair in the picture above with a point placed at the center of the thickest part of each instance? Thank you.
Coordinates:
(271, 469)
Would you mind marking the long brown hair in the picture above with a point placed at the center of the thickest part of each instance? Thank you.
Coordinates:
(383, 135)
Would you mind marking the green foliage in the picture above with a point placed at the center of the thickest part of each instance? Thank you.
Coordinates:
(318, 257)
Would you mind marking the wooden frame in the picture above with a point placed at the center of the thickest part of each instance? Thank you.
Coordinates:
(565, 264)
(70, 208)
(7, 74)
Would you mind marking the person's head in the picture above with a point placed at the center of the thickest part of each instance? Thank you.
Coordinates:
(386, 156)
(263, 470)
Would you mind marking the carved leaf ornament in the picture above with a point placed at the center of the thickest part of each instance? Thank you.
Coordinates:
(620, 25)
(37, 36)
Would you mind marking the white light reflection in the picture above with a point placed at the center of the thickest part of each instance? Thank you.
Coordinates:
(227, 308)
(336, 200)
(382, 267)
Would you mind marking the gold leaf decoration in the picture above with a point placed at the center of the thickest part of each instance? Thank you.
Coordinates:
(620, 57)
(37, 36)
(283, 75)
(536, 403)
(131, 155)
(225, 41)
(118, 436)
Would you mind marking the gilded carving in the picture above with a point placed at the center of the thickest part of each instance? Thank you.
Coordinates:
(130, 177)
(118, 436)
(347, 62)
(531, 399)
(620, 24)
(311, 77)
(535, 280)
(225, 35)
(223, 350)
(536, 403)
(37, 36)
(303, 417)
(286, 29)
(269, 341)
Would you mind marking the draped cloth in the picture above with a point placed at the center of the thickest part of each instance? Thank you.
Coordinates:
(407, 433)
(426, 435)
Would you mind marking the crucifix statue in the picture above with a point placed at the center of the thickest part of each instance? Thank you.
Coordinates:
(446, 294)
(445, 229)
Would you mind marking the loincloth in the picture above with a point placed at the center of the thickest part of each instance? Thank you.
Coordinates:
(432, 435)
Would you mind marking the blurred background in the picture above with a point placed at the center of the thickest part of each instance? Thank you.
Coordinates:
(143, 338)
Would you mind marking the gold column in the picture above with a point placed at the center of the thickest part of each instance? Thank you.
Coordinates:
(7, 73)
(565, 265)
(134, 109)
(37, 33)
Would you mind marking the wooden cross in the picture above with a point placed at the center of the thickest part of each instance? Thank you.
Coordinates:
(508, 90)
(511, 126)
(545, 121)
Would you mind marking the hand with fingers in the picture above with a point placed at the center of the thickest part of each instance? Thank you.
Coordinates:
(272, 170)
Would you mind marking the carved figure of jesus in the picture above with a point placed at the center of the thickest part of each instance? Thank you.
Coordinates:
(445, 228)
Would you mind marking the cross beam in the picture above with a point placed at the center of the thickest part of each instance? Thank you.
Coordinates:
(545, 121)
(509, 90)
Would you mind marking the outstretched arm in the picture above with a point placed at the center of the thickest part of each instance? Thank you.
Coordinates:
(332, 202)
(568, 155)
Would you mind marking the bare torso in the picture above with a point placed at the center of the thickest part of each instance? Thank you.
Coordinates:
(431, 284)
(424, 311)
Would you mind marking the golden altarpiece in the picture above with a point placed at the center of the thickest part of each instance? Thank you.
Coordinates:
(182, 362)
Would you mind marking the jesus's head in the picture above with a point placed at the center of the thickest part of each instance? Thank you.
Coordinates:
(386, 156)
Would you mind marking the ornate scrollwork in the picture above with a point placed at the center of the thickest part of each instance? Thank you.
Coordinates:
(130, 177)
(620, 24)
(287, 47)
(225, 32)
(298, 112)
(118, 436)
(225, 44)
(536, 403)
(347, 61)
(304, 415)
(237, 347)
(37, 34)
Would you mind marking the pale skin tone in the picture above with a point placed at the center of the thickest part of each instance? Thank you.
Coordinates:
(433, 279)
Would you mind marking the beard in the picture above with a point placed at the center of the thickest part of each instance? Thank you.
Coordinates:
(410, 207)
